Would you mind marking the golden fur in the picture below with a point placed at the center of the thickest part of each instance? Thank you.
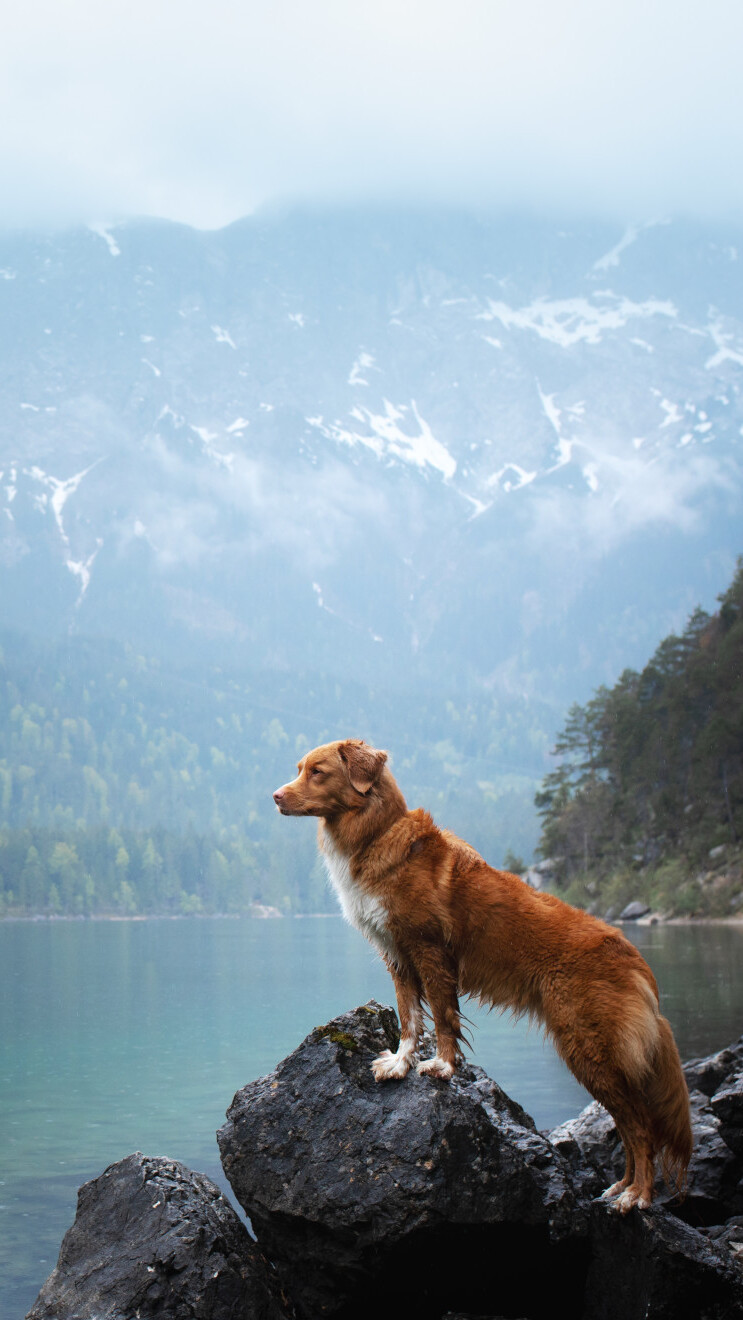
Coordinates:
(446, 924)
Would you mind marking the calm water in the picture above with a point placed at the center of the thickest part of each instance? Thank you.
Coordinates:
(123, 1036)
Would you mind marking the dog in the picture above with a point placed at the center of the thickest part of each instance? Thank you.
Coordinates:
(447, 924)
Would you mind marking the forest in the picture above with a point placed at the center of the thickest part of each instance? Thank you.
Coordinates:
(127, 787)
(646, 799)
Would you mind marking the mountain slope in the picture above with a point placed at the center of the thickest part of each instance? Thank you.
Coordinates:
(476, 450)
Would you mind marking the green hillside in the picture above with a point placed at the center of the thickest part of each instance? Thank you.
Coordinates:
(647, 797)
(127, 787)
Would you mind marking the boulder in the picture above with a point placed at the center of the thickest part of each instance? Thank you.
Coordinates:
(151, 1238)
(442, 1192)
(633, 911)
(651, 1264)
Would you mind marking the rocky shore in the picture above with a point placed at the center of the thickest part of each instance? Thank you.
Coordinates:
(423, 1198)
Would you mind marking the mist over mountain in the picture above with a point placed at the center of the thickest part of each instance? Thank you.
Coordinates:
(410, 448)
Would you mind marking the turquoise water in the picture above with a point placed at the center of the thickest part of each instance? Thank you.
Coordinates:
(122, 1036)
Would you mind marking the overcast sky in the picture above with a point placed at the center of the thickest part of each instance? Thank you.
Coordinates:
(202, 110)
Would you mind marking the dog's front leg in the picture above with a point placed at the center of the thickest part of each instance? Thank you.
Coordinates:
(408, 990)
(440, 983)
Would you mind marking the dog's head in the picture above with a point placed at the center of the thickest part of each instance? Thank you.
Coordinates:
(332, 779)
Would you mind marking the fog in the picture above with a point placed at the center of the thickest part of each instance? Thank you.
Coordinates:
(201, 113)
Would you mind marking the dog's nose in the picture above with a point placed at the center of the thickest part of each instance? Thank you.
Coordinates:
(278, 796)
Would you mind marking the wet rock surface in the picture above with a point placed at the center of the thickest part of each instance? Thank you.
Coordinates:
(401, 1174)
(151, 1238)
(420, 1197)
(653, 1264)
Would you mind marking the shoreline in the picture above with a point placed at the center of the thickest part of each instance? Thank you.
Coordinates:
(36, 918)
(58, 918)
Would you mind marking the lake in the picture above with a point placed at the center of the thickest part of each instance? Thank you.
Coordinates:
(134, 1035)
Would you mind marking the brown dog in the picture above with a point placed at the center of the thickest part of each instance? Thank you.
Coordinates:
(446, 923)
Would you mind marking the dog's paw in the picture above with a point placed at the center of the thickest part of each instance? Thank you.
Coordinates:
(388, 1065)
(630, 1198)
(612, 1191)
(436, 1067)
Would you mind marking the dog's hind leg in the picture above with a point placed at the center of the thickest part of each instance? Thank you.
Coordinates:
(629, 1171)
(639, 1192)
(408, 990)
(634, 1128)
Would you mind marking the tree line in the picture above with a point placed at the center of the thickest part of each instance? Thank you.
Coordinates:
(650, 771)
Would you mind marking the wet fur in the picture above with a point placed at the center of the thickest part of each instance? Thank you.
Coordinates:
(447, 924)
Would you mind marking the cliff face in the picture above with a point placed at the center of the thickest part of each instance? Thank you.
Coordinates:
(422, 1197)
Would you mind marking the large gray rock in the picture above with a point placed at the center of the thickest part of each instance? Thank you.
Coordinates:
(652, 1266)
(444, 1188)
(151, 1238)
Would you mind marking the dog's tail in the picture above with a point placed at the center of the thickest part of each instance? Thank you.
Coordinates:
(668, 1098)
(651, 1064)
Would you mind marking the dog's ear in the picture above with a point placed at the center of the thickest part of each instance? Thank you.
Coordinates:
(363, 763)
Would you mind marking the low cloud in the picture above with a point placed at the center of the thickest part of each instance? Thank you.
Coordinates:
(201, 113)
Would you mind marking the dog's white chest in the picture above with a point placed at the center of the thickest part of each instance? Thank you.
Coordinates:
(360, 909)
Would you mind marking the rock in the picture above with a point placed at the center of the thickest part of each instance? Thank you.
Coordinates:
(651, 1264)
(715, 1182)
(633, 911)
(151, 1238)
(444, 1187)
(707, 1074)
(590, 1143)
(728, 1235)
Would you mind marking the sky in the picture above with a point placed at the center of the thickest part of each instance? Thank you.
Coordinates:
(204, 110)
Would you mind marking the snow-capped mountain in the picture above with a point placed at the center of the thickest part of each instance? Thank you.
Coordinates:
(438, 446)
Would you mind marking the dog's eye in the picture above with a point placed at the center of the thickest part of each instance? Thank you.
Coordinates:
(316, 770)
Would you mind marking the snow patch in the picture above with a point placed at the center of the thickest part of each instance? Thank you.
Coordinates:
(630, 236)
(672, 413)
(223, 336)
(385, 437)
(167, 411)
(206, 437)
(363, 362)
(722, 339)
(523, 478)
(570, 321)
(104, 232)
(590, 472)
(61, 492)
(81, 569)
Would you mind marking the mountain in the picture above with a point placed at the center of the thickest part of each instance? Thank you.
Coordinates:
(431, 448)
